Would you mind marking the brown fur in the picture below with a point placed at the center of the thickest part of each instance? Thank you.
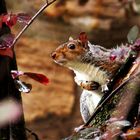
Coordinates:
(110, 67)
(81, 54)
(64, 52)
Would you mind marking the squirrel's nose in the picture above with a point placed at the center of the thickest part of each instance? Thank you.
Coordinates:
(53, 55)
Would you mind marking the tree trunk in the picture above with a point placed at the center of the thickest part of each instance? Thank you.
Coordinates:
(13, 131)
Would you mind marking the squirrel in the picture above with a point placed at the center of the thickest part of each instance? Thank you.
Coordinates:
(94, 67)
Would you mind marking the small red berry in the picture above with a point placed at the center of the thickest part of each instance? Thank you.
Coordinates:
(112, 57)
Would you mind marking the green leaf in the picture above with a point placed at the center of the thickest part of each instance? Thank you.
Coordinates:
(133, 34)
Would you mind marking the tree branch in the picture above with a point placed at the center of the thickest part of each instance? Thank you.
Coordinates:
(31, 21)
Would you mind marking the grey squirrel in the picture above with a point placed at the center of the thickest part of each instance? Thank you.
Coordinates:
(94, 67)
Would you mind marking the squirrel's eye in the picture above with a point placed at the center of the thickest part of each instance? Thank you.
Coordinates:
(71, 46)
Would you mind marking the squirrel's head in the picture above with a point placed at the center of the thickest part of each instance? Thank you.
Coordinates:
(71, 51)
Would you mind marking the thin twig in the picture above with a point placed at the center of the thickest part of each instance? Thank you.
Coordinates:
(31, 21)
(32, 133)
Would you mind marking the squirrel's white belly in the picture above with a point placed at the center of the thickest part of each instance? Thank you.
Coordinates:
(89, 72)
(88, 102)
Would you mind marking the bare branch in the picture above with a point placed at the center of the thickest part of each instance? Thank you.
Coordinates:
(33, 134)
(32, 19)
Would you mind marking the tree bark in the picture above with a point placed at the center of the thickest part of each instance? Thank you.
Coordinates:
(13, 131)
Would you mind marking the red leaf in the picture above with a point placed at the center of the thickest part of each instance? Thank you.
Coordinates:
(24, 18)
(9, 19)
(6, 41)
(83, 38)
(38, 77)
(112, 57)
(6, 52)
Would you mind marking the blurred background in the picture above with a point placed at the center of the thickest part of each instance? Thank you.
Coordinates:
(52, 111)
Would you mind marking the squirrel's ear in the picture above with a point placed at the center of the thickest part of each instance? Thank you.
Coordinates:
(70, 38)
(83, 38)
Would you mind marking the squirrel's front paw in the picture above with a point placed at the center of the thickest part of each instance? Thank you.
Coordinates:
(104, 88)
(89, 85)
